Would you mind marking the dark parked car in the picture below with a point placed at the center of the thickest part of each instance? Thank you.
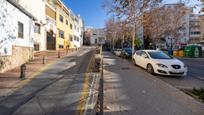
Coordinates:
(126, 52)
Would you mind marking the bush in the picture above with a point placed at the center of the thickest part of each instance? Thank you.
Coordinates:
(199, 93)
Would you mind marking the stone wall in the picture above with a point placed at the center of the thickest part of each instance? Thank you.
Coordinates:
(20, 55)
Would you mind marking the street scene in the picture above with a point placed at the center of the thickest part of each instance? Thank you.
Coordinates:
(101, 57)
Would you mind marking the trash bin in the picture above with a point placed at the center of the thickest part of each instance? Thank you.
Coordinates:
(181, 53)
(175, 53)
(193, 51)
(170, 51)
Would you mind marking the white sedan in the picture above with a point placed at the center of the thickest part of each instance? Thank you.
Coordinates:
(157, 62)
(118, 52)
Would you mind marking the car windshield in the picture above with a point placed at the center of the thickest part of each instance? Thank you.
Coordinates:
(159, 55)
(128, 50)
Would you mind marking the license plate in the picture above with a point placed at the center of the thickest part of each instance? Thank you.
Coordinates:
(177, 71)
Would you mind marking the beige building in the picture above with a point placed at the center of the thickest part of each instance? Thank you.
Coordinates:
(202, 28)
(195, 29)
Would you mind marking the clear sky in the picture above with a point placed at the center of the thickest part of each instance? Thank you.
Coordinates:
(92, 11)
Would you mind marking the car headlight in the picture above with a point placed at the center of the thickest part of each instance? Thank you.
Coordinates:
(162, 65)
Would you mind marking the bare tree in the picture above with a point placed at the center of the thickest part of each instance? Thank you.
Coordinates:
(117, 32)
(131, 11)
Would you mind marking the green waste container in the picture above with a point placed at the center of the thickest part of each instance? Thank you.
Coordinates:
(193, 51)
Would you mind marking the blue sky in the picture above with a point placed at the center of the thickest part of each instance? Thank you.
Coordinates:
(92, 12)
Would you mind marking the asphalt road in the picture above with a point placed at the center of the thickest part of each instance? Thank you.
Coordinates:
(56, 91)
(194, 78)
(130, 90)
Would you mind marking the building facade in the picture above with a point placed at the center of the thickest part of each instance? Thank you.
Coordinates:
(68, 26)
(50, 27)
(17, 35)
(77, 31)
(195, 29)
(39, 28)
(202, 28)
(98, 36)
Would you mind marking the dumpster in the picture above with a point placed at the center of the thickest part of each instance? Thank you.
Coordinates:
(193, 51)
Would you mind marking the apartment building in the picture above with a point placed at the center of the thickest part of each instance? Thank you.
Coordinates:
(98, 36)
(195, 29)
(202, 28)
(37, 9)
(68, 26)
(78, 32)
(17, 35)
(50, 27)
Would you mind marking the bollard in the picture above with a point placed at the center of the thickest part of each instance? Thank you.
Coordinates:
(58, 54)
(23, 71)
(44, 60)
(67, 51)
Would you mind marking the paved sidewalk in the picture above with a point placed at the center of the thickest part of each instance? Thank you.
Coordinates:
(9, 81)
(127, 90)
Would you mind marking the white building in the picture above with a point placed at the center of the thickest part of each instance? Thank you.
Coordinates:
(98, 36)
(16, 38)
(78, 31)
(37, 9)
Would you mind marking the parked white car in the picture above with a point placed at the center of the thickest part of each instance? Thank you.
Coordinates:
(157, 62)
(118, 52)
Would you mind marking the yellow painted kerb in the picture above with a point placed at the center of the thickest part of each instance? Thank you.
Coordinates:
(85, 89)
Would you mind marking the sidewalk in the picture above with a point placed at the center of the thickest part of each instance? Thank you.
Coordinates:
(9, 81)
(130, 90)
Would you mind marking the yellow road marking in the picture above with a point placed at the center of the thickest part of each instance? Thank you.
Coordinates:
(85, 89)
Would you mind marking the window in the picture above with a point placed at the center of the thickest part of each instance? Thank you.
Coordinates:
(159, 55)
(61, 18)
(37, 28)
(66, 22)
(61, 34)
(70, 38)
(195, 33)
(36, 47)
(144, 54)
(138, 53)
(70, 26)
(77, 39)
(74, 27)
(20, 30)
(61, 46)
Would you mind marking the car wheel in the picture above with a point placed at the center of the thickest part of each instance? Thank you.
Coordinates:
(133, 61)
(150, 69)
